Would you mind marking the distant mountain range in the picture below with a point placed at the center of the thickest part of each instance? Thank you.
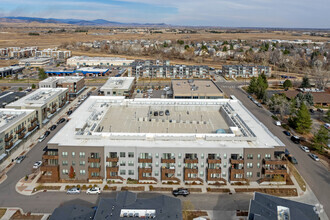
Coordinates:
(79, 22)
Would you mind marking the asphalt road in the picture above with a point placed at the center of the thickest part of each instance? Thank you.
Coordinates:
(316, 174)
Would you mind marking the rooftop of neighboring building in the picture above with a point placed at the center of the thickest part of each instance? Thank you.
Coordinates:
(116, 121)
(9, 116)
(118, 83)
(38, 98)
(267, 207)
(191, 87)
(96, 58)
(62, 79)
(10, 96)
(318, 96)
(35, 59)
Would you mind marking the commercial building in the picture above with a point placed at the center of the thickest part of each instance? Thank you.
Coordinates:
(264, 206)
(245, 71)
(97, 61)
(10, 70)
(125, 205)
(119, 86)
(162, 140)
(195, 89)
(46, 102)
(54, 53)
(74, 84)
(15, 125)
(157, 69)
(35, 61)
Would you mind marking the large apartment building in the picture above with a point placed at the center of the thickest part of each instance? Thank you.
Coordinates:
(244, 71)
(162, 140)
(158, 69)
(119, 86)
(15, 125)
(45, 101)
(54, 53)
(97, 61)
(74, 84)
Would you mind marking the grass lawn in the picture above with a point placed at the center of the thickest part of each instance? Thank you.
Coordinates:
(297, 176)
(2, 212)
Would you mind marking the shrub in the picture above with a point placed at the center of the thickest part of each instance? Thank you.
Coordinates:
(151, 187)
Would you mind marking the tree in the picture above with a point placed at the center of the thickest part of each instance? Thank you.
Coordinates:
(181, 42)
(42, 74)
(20, 89)
(224, 49)
(327, 116)
(322, 136)
(253, 85)
(33, 86)
(303, 120)
(305, 83)
(287, 84)
(72, 174)
(186, 47)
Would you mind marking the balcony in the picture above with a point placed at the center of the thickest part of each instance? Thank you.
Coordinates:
(94, 169)
(168, 170)
(53, 105)
(9, 138)
(32, 127)
(53, 111)
(191, 170)
(94, 160)
(214, 160)
(191, 160)
(7, 146)
(115, 177)
(236, 161)
(145, 169)
(20, 130)
(168, 160)
(112, 159)
(275, 171)
(21, 136)
(33, 120)
(45, 156)
(112, 169)
(276, 161)
(145, 160)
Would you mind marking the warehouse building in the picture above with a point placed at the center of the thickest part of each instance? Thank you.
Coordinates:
(97, 61)
(10, 70)
(195, 89)
(118, 86)
(15, 125)
(74, 84)
(46, 102)
(162, 140)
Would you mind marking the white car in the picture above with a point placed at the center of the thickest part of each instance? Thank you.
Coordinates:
(314, 157)
(37, 164)
(94, 190)
(74, 190)
(42, 138)
(304, 148)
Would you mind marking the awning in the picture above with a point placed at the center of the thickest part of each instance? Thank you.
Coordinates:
(45, 121)
(16, 143)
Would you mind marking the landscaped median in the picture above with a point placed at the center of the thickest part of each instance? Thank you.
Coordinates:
(282, 192)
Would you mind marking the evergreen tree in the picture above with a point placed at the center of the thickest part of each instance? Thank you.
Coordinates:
(287, 84)
(72, 174)
(303, 119)
(321, 137)
(42, 74)
(253, 85)
(305, 83)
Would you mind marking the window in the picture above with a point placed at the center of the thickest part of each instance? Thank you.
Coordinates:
(82, 172)
(156, 173)
(267, 156)
(249, 165)
(180, 155)
(224, 164)
(73, 163)
(130, 163)
(224, 156)
(122, 172)
(157, 163)
(122, 154)
(73, 154)
(201, 174)
(223, 174)
(258, 165)
(122, 163)
(248, 174)
(157, 155)
(64, 162)
(130, 172)
(258, 174)
(82, 154)
(202, 156)
(250, 156)
(179, 164)
(64, 154)
(82, 163)
(179, 173)
(65, 171)
(259, 156)
(202, 164)
(95, 174)
(131, 154)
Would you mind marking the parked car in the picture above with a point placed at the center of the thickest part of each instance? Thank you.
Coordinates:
(155, 113)
(304, 148)
(167, 112)
(20, 159)
(259, 105)
(249, 96)
(278, 123)
(61, 121)
(292, 159)
(47, 133)
(181, 192)
(94, 190)
(287, 133)
(320, 110)
(314, 157)
(53, 127)
(295, 139)
(161, 113)
(42, 137)
(311, 110)
(37, 164)
(74, 190)
(69, 112)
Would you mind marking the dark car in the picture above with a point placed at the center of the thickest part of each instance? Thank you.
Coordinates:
(69, 112)
(155, 113)
(287, 133)
(311, 110)
(320, 110)
(61, 121)
(47, 133)
(295, 139)
(161, 113)
(293, 160)
(167, 112)
(180, 192)
(53, 127)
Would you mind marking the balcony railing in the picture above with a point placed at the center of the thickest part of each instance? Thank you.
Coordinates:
(32, 127)
(276, 171)
(9, 138)
(112, 169)
(237, 161)
(145, 160)
(94, 169)
(94, 160)
(213, 160)
(112, 159)
(21, 136)
(172, 160)
(191, 160)
(7, 146)
(115, 177)
(34, 119)
(276, 161)
(191, 170)
(49, 157)
(145, 169)
(168, 170)
(20, 130)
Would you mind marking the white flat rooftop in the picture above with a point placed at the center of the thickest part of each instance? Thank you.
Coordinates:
(116, 121)
(95, 58)
(37, 98)
(9, 116)
(36, 59)
(62, 79)
(118, 83)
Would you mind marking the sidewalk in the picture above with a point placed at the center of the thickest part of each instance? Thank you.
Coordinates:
(33, 139)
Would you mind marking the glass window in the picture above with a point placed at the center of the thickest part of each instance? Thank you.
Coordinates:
(258, 174)
(122, 163)
(122, 154)
(249, 165)
(248, 174)
(258, 165)
(122, 172)
(73, 163)
(64, 162)
(201, 173)
(180, 155)
(82, 154)
(179, 173)
(179, 164)
(130, 163)
(130, 154)
(157, 155)
(224, 164)
(223, 174)
(82, 172)
(157, 163)
(202, 156)
(250, 156)
(156, 173)
(130, 172)
(267, 156)
(73, 154)
(202, 164)
(224, 156)
(65, 171)
(64, 154)
(259, 156)
(82, 163)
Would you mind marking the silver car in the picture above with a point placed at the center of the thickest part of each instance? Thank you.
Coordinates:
(314, 157)
(20, 159)
(74, 190)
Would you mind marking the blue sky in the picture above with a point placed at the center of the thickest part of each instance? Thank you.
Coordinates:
(237, 13)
